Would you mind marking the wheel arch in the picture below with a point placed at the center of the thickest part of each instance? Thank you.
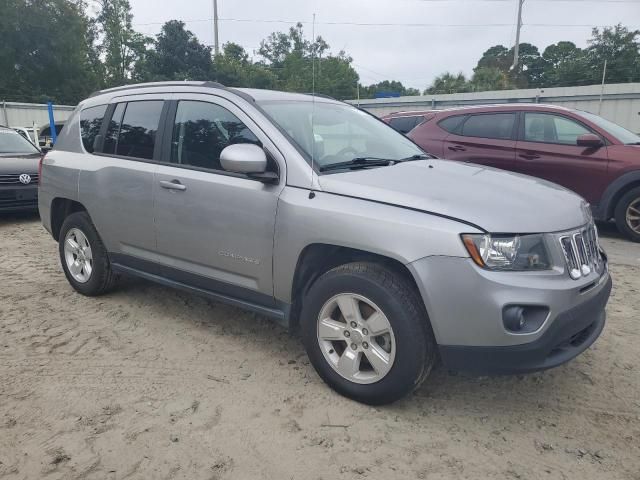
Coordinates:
(61, 208)
(318, 258)
(615, 192)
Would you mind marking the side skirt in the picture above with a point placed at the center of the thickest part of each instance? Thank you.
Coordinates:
(279, 313)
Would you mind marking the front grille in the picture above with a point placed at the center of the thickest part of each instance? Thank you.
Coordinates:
(582, 252)
(14, 179)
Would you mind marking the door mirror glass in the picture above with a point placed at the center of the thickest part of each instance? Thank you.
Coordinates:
(589, 140)
(243, 158)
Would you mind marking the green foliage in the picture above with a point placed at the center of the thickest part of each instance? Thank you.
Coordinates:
(177, 55)
(387, 86)
(33, 34)
(448, 83)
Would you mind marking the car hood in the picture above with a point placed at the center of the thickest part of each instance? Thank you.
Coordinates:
(16, 163)
(495, 200)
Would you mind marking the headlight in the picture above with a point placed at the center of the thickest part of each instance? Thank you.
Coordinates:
(508, 252)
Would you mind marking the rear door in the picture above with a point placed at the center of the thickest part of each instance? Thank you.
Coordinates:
(547, 149)
(485, 139)
(116, 185)
(215, 228)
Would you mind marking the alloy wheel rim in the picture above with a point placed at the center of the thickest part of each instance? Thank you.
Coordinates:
(633, 215)
(78, 255)
(356, 338)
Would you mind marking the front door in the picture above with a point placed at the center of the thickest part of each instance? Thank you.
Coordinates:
(215, 229)
(485, 139)
(548, 149)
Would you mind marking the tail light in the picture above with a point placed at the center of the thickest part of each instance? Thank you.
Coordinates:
(40, 168)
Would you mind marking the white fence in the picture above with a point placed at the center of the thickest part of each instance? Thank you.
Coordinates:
(14, 114)
(620, 101)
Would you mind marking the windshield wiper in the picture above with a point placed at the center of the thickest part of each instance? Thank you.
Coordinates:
(359, 162)
(419, 156)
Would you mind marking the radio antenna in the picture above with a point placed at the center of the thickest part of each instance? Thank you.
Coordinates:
(313, 101)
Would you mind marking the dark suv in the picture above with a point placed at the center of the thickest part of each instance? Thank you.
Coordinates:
(578, 150)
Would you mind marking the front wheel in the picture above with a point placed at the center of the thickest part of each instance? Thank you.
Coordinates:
(628, 214)
(367, 334)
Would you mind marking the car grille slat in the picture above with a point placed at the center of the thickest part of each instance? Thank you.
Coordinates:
(14, 179)
(581, 252)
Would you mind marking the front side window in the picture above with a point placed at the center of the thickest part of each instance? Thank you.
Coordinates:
(202, 130)
(90, 125)
(12, 142)
(549, 128)
(495, 125)
(332, 133)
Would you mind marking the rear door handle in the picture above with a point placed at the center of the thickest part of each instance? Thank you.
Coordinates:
(173, 185)
(457, 148)
(529, 156)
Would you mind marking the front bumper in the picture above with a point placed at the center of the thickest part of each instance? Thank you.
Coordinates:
(570, 334)
(15, 198)
(466, 303)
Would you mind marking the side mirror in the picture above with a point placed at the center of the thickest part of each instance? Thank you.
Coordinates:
(248, 159)
(589, 140)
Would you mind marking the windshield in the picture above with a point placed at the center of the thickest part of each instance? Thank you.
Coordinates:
(621, 133)
(12, 142)
(340, 133)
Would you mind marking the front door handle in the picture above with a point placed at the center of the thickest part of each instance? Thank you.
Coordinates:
(457, 148)
(173, 185)
(529, 156)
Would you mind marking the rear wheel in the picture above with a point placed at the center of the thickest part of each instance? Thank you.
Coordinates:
(367, 334)
(628, 214)
(84, 258)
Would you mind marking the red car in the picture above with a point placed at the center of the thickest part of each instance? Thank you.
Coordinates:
(578, 150)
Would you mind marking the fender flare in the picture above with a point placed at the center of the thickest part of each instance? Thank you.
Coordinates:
(604, 211)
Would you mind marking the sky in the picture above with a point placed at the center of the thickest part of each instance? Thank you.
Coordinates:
(407, 40)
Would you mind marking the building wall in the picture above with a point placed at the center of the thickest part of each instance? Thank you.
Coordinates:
(620, 102)
(14, 114)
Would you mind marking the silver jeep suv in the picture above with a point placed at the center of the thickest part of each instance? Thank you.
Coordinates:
(317, 214)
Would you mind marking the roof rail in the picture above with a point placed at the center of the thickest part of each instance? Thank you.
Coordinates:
(206, 84)
(321, 95)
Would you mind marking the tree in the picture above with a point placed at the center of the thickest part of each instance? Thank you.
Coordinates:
(387, 86)
(44, 51)
(178, 55)
(619, 46)
(234, 67)
(292, 59)
(121, 46)
(564, 64)
(448, 83)
(490, 78)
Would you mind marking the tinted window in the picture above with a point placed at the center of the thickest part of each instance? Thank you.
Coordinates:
(90, 124)
(405, 124)
(111, 137)
(451, 124)
(495, 125)
(549, 128)
(137, 135)
(202, 130)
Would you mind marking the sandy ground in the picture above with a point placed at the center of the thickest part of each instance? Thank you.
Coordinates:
(151, 383)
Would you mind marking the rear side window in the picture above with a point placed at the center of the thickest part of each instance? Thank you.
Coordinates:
(90, 125)
(452, 124)
(405, 124)
(202, 130)
(494, 125)
(135, 135)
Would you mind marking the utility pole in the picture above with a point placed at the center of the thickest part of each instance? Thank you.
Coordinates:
(216, 44)
(516, 47)
(604, 73)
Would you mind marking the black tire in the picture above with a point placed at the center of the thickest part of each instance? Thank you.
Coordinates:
(397, 297)
(102, 278)
(629, 198)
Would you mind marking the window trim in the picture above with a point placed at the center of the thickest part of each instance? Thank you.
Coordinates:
(521, 128)
(514, 128)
